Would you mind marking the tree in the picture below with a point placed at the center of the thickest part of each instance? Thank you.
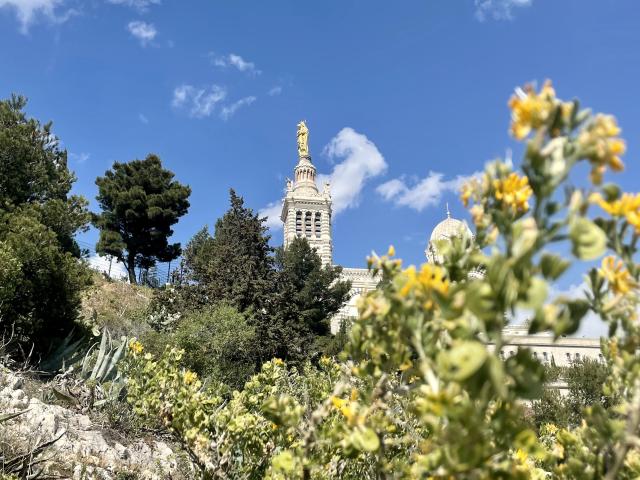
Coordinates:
(140, 202)
(235, 265)
(39, 269)
(34, 172)
(295, 325)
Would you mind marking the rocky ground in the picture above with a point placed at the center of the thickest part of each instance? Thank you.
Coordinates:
(83, 450)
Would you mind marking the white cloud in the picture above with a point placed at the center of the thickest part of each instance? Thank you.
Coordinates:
(28, 10)
(229, 110)
(362, 161)
(277, 90)
(272, 212)
(200, 102)
(236, 61)
(79, 157)
(139, 5)
(143, 31)
(498, 9)
(423, 193)
(115, 269)
(143, 118)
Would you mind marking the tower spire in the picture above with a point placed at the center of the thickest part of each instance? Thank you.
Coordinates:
(448, 212)
(305, 171)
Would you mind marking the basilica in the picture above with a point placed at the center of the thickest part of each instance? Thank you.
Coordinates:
(306, 212)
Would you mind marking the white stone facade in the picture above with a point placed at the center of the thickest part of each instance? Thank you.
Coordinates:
(306, 212)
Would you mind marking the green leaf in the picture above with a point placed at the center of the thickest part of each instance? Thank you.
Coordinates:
(552, 266)
(365, 439)
(525, 233)
(463, 360)
(588, 240)
(284, 462)
(536, 293)
(611, 192)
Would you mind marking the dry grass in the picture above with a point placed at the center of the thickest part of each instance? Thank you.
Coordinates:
(119, 306)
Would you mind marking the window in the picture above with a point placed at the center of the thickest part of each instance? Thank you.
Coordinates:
(307, 224)
(318, 224)
(299, 223)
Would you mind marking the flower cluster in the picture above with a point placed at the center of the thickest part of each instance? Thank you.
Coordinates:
(627, 206)
(513, 193)
(422, 284)
(600, 144)
(618, 277)
(531, 110)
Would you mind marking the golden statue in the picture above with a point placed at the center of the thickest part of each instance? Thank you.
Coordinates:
(303, 139)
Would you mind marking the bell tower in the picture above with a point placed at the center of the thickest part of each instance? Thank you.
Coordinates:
(306, 212)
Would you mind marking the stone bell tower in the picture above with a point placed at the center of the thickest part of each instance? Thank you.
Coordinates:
(306, 212)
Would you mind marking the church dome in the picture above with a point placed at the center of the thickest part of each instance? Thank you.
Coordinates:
(448, 228)
(445, 230)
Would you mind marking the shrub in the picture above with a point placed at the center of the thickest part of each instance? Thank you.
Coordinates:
(419, 394)
(218, 343)
(43, 298)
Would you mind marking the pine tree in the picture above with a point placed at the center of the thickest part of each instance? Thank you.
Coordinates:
(140, 202)
(296, 323)
(236, 264)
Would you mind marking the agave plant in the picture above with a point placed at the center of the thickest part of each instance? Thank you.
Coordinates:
(97, 380)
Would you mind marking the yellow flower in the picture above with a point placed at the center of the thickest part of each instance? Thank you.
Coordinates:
(521, 456)
(354, 395)
(466, 192)
(344, 406)
(189, 377)
(530, 111)
(602, 147)
(431, 278)
(513, 192)
(628, 206)
(392, 251)
(278, 361)
(135, 347)
(618, 277)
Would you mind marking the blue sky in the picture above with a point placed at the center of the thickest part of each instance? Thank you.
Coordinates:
(413, 93)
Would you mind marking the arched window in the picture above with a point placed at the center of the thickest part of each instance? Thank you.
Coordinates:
(318, 224)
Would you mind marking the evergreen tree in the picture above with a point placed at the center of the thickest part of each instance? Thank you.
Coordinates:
(295, 325)
(40, 273)
(140, 202)
(235, 265)
(34, 173)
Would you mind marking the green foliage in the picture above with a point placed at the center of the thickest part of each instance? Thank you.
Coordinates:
(235, 265)
(140, 202)
(419, 394)
(551, 408)
(294, 325)
(45, 294)
(220, 344)
(40, 275)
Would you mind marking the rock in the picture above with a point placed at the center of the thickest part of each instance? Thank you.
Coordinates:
(82, 448)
